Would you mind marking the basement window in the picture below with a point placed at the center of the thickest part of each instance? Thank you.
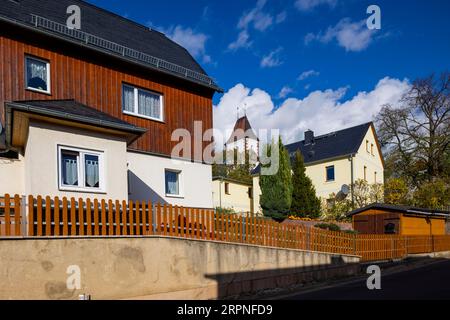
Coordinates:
(37, 74)
(80, 170)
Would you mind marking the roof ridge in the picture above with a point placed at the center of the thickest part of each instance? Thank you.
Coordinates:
(114, 14)
(138, 24)
(332, 132)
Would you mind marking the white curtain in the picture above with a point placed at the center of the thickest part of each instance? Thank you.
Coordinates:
(128, 99)
(92, 171)
(149, 104)
(37, 74)
(172, 182)
(70, 170)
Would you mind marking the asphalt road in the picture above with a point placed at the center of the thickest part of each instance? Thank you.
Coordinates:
(427, 282)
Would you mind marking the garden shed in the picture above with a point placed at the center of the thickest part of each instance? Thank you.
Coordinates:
(404, 220)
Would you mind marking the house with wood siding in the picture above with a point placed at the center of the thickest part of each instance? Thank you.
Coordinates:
(91, 112)
(379, 218)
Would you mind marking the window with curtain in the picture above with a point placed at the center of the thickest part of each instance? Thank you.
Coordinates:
(142, 102)
(172, 182)
(92, 171)
(69, 168)
(80, 169)
(128, 98)
(37, 72)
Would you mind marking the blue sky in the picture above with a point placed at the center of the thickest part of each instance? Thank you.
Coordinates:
(313, 49)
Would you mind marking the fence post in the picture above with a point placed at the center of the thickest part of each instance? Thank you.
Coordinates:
(24, 216)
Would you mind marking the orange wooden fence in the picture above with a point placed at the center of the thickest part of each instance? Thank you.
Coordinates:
(45, 216)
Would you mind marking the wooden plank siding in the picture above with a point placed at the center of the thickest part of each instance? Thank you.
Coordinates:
(96, 80)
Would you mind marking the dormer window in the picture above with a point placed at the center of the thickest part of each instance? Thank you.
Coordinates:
(37, 74)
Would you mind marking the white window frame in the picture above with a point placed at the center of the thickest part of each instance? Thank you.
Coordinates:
(180, 184)
(136, 103)
(49, 85)
(81, 170)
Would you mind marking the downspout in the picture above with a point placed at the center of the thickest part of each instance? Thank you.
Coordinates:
(352, 181)
(220, 192)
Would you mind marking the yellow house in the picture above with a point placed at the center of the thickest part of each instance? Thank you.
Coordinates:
(334, 161)
(232, 194)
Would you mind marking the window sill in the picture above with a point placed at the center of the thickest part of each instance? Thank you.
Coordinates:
(39, 91)
(174, 196)
(82, 190)
(142, 116)
(330, 181)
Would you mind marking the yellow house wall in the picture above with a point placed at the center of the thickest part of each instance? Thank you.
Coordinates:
(342, 175)
(237, 198)
(420, 226)
(342, 170)
(373, 163)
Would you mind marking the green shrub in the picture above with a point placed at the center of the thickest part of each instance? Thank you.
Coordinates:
(220, 210)
(328, 226)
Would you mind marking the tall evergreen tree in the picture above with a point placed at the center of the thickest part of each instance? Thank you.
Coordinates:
(304, 200)
(276, 189)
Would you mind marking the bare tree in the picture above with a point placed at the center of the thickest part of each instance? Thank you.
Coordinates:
(416, 135)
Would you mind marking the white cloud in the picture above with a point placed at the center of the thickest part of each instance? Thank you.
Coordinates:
(284, 92)
(194, 42)
(308, 5)
(306, 74)
(272, 59)
(281, 17)
(241, 42)
(256, 18)
(353, 36)
(320, 111)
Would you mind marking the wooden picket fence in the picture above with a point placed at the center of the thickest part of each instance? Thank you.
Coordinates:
(45, 216)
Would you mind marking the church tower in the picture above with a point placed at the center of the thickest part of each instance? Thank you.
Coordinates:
(243, 138)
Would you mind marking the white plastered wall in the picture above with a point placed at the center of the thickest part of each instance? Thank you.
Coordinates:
(41, 160)
(146, 176)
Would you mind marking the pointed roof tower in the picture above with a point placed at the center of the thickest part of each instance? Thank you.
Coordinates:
(242, 129)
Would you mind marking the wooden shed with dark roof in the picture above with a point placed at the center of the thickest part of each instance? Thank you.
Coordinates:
(380, 218)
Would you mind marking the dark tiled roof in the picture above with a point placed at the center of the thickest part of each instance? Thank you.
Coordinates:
(398, 208)
(106, 25)
(74, 111)
(215, 178)
(242, 129)
(332, 145)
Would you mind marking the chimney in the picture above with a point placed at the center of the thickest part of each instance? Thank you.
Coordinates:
(309, 137)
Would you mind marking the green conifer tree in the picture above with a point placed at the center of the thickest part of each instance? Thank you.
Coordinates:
(276, 188)
(304, 200)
